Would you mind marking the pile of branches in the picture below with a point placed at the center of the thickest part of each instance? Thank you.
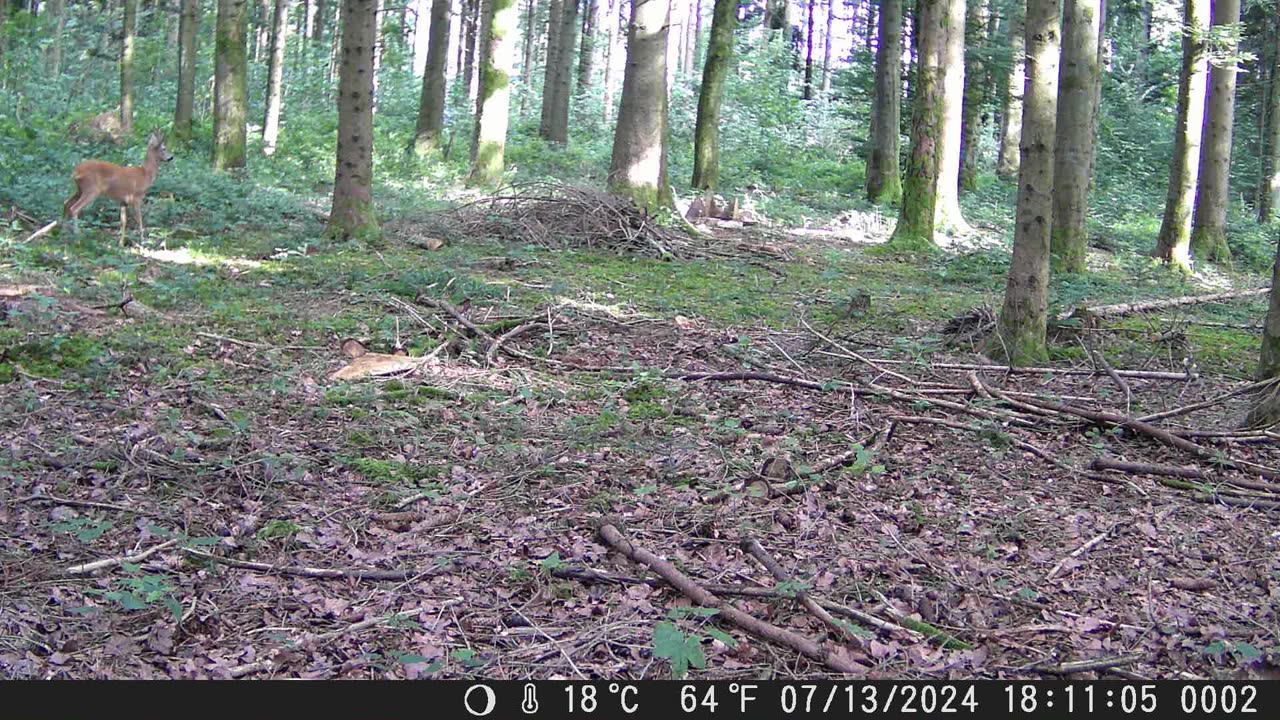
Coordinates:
(557, 215)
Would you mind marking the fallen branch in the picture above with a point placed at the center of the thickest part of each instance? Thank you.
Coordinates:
(491, 356)
(321, 573)
(95, 566)
(779, 573)
(749, 623)
(456, 314)
(1188, 409)
(55, 500)
(307, 640)
(42, 231)
(1135, 374)
(1080, 666)
(1121, 309)
(1099, 359)
(1092, 543)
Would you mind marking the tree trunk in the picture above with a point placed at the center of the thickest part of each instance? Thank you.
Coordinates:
(1269, 198)
(1020, 330)
(1174, 243)
(1073, 145)
(1144, 47)
(57, 9)
(470, 42)
(1266, 411)
(706, 134)
(321, 18)
(638, 167)
(352, 214)
(826, 48)
(262, 30)
(498, 31)
(128, 39)
(1011, 115)
(612, 20)
(562, 32)
(914, 231)
(230, 85)
(884, 176)
(870, 27)
(973, 119)
(188, 30)
(947, 210)
(587, 53)
(808, 54)
(275, 77)
(1209, 231)
(431, 104)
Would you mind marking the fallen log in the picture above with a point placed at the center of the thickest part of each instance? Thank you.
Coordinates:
(1122, 309)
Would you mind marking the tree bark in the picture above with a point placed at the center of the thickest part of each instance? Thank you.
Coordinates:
(352, 214)
(562, 32)
(826, 47)
(1020, 329)
(1209, 229)
(587, 53)
(808, 53)
(262, 30)
(58, 10)
(431, 104)
(1073, 146)
(1173, 245)
(470, 42)
(975, 92)
(638, 167)
(947, 207)
(706, 134)
(1267, 410)
(613, 18)
(275, 77)
(1269, 198)
(129, 39)
(321, 19)
(188, 30)
(497, 60)
(884, 176)
(914, 230)
(1011, 115)
(230, 85)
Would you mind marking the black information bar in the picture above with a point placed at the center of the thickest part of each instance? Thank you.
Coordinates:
(644, 700)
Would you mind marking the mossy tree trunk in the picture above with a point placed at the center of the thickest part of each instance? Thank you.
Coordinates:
(275, 77)
(188, 31)
(1011, 110)
(884, 174)
(558, 81)
(1019, 338)
(352, 214)
(1209, 228)
(1269, 195)
(706, 134)
(638, 166)
(977, 30)
(1073, 149)
(129, 39)
(1267, 410)
(587, 51)
(430, 127)
(947, 208)
(914, 231)
(498, 31)
(470, 39)
(1173, 245)
(230, 85)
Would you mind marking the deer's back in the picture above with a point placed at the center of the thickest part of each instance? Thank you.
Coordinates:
(121, 183)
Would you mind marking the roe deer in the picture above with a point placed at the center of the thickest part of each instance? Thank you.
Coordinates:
(126, 185)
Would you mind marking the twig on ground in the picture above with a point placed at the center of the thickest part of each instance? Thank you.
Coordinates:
(1080, 666)
(1092, 543)
(95, 566)
(779, 573)
(491, 357)
(322, 573)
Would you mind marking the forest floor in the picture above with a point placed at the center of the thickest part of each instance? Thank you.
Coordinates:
(171, 415)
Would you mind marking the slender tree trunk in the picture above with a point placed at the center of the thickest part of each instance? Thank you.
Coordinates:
(352, 214)
(470, 43)
(706, 134)
(870, 27)
(430, 126)
(1144, 49)
(497, 57)
(973, 119)
(1011, 115)
(230, 85)
(884, 176)
(188, 30)
(914, 231)
(638, 168)
(129, 39)
(1269, 198)
(57, 9)
(1077, 79)
(612, 20)
(1266, 411)
(587, 53)
(808, 54)
(275, 77)
(1174, 243)
(947, 209)
(826, 48)
(1209, 231)
(563, 25)
(321, 18)
(262, 30)
(1020, 329)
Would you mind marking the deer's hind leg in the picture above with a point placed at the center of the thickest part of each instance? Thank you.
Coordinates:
(124, 224)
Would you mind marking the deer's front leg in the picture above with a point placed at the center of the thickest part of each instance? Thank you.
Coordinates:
(124, 224)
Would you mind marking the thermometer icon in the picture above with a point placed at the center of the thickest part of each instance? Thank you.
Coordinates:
(529, 705)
